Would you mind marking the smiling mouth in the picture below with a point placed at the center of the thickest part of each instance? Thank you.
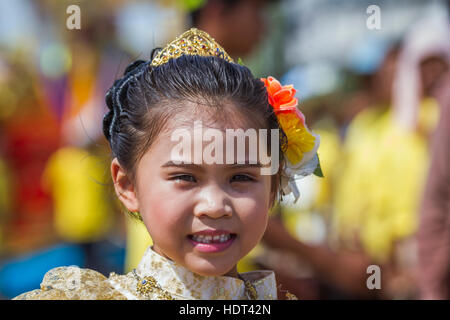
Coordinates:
(212, 241)
(221, 237)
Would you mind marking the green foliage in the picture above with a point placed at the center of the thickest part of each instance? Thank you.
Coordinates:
(191, 5)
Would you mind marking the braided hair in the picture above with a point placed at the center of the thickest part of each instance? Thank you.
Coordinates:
(143, 101)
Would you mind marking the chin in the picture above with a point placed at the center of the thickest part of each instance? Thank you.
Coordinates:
(207, 268)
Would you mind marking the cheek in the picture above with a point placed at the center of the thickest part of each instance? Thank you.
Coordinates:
(163, 213)
(254, 216)
(256, 211)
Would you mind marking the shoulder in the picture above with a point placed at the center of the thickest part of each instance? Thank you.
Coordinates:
(73, 283)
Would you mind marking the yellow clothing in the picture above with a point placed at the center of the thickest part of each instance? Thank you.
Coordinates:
(330, 155)
(77, 182)
(378, 193)
(138, 240)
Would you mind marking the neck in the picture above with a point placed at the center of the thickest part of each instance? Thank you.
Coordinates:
(232, 273)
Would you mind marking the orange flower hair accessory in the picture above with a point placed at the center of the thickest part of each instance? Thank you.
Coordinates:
(302, 144)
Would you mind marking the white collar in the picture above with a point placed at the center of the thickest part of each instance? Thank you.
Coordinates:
(185, 284)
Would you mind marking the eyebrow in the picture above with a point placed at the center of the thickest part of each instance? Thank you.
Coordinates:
(193, 165)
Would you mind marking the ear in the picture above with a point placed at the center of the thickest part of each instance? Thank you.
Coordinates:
(124, 187)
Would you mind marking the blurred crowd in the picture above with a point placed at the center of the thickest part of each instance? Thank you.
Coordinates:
(380, 103)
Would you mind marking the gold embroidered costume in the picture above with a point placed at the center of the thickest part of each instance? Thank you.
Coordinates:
(155, 278)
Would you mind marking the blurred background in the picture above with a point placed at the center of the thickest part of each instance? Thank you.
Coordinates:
(373, 82)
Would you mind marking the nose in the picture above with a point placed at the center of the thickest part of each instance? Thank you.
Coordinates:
(213, 202)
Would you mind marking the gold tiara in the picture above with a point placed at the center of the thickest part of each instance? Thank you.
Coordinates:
(192, 42)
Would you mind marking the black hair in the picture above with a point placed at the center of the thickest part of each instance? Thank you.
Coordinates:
(141, 102)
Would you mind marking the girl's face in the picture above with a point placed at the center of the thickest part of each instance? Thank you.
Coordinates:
(205, 217)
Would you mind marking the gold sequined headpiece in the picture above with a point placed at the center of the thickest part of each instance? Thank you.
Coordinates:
(192, 42)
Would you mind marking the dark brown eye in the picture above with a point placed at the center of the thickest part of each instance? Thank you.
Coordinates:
(184, 177)
(241, 178)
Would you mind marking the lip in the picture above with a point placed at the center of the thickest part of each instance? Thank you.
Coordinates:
(212, 247)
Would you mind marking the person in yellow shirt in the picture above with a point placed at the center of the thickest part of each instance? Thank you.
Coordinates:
(82, 212)
(386, 167)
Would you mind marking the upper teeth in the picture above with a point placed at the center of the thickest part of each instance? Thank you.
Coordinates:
(208, 238)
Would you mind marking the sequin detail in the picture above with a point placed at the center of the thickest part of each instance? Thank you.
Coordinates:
(191, 42)
(148, 286)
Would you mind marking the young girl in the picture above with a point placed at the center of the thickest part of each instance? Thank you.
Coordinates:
(205, 204)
